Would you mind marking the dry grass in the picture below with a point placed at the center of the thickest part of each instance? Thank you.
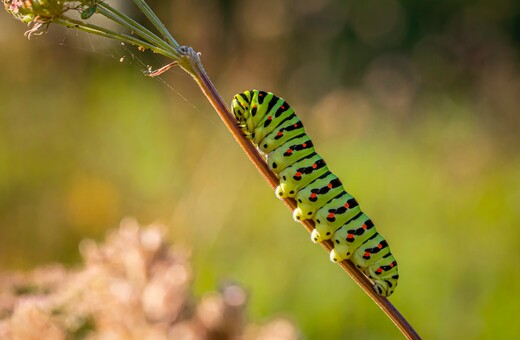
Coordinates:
(133, 286)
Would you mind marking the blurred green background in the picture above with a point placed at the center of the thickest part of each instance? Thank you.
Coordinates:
(415, 105)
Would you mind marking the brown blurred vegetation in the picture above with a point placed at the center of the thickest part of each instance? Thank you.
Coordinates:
(132, 287)
(413, 104)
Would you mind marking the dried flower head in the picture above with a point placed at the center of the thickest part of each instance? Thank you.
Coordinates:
(28, 10)
(38, 14)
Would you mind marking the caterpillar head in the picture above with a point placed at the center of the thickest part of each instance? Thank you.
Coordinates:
(240, 106)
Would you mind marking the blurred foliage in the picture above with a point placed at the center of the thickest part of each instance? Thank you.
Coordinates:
(413, 104)
(131, 286)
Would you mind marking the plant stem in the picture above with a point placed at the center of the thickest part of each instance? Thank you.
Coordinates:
(135, 27)
(143, 6)
(190, 62)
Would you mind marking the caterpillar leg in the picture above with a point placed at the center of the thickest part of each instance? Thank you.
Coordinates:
(298, 215)
(315, 236)
(279, 192)
(340, 253)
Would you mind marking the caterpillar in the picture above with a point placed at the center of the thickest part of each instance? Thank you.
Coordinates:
(273, 127)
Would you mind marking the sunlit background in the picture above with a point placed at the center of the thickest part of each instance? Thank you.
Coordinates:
(415, 105)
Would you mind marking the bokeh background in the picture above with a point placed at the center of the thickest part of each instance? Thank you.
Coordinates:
(415, 105)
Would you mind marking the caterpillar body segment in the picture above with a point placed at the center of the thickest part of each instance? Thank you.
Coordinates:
(288, 129)
(271, 124)
(317, 194)
(351, 236)
(289, 153)
(333, 215)
(300, 174)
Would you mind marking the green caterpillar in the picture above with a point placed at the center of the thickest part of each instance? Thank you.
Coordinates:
(271, 124)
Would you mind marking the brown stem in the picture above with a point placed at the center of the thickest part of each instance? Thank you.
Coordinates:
(191, 63)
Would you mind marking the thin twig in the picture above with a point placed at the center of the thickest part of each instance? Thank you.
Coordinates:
(158, 72)
(191, 63)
